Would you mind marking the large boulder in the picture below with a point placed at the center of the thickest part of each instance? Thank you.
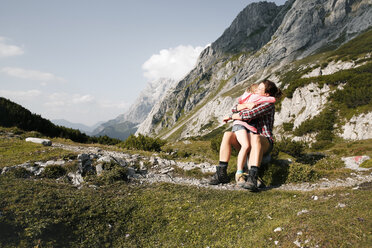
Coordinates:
(44, 142)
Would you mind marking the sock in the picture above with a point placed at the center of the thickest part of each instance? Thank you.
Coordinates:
(253, 170)
(223, 164)
(239, 172)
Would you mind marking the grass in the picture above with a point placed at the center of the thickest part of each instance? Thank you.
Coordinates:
(18, 151)
(166, 215)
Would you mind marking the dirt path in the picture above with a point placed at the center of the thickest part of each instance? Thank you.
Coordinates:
(161, 170)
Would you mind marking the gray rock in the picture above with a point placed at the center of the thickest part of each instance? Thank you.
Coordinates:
(44, 142)
(76, 178)
(354, 162)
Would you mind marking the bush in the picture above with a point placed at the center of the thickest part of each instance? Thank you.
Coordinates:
(293, 148)
(142, 142)
(53, 171)
(18, 172)
(117, 173)
(274, 173)
(301, 173)
(288, 126)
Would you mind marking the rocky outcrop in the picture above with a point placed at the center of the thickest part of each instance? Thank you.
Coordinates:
(125, 124)
(358, 128)
(259, 42)
(44, 142)
(306, 103)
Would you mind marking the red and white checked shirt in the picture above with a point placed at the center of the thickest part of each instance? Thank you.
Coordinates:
(264, 115)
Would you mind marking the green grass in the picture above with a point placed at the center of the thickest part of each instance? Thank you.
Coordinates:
(166, 215)
(18, 151)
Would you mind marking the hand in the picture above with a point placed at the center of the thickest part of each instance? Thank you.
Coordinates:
(236, 117)
(226, 119)
(249, 106)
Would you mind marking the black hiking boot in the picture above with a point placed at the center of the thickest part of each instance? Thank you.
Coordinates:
(251, 183)
(220, 176)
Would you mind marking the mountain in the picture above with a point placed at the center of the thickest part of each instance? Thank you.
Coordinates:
(282, 43)
(83, 128)
(14, 115)
(126, 124)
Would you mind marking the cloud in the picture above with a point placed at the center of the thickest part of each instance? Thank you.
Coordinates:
(172, 63)
(9, 50)
(31, 74)
(20, 94)
(65, 99)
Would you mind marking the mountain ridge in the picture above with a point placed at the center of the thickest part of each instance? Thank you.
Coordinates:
(306, 28)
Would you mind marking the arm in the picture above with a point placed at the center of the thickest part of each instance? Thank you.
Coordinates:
(247, 115)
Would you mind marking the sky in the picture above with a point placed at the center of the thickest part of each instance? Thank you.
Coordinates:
(86, 61)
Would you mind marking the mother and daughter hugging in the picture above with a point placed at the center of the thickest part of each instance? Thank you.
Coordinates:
(251, 134)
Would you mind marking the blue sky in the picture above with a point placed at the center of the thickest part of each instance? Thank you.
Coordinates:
(87, 60)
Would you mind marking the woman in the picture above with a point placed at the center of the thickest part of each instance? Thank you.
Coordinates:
(263, 115)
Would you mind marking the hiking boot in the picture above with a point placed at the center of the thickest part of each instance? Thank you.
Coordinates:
(220, 176)
(240, 179)
(251, 183)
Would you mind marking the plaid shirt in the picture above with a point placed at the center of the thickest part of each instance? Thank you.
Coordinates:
(264, 114)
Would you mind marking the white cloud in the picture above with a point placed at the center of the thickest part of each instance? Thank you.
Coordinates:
(20, 94)
(31, 74)
(9, 50)
(65, 99)
(172, 63)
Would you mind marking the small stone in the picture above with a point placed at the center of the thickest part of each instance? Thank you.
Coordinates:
(276, 242)
(341, 205)
(303, 211)
(314, 197)
(297, 243)
(127, 235)
(299, 233)
(355, 188)
(278, 229)
(269, 217)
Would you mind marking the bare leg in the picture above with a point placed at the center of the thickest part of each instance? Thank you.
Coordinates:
(259, 146)
(244, 140)
(228, 140)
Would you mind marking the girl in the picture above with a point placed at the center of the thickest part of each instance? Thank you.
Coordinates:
(250, 99)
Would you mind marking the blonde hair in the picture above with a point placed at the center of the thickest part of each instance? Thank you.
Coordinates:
(251, 88)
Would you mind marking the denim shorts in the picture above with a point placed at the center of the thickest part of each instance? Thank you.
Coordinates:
(238, 127)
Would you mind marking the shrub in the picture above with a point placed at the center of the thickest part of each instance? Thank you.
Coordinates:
(142, 142)
(274, 173)
(293, 148)
(301, 173)
(18, 172)
(329, 163)
(53, 171)
(288, 126)
(117, 173)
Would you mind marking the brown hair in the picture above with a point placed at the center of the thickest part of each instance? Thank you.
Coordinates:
(272, 89)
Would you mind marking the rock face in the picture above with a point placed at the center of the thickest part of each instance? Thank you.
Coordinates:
(358, 128)
(306, 103)
(124, 125)
(261, 41)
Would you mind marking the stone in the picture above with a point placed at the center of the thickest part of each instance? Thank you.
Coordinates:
(75, 178)
(44, 142)
(358, 128)
(354, 162)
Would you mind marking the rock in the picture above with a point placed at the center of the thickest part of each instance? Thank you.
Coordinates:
(340, 205)
(304, 211)
(358, 128)
(278, 229)
(354, 162)
(99, 169)
(44, 142)
(297, 243)
(75, 178)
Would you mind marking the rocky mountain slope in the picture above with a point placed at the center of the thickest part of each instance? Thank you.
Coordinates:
(126, 124)
(264, 41)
